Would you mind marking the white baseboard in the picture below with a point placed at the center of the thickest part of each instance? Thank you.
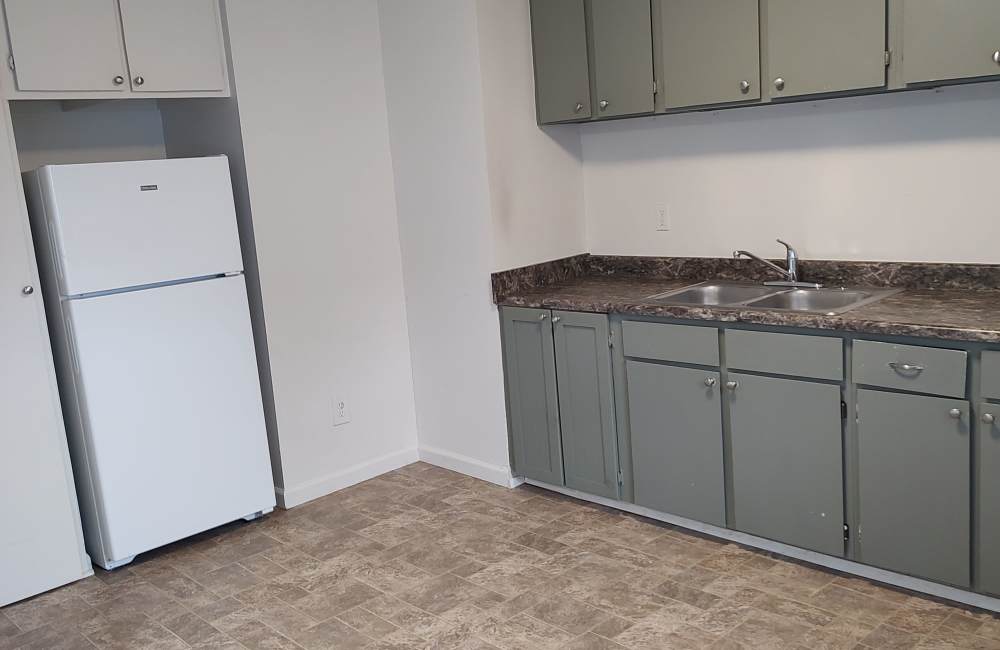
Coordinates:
(835, 563)
(299, 494)
(498, 474)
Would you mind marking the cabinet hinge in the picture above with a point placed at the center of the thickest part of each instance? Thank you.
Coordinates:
(621, 478)
(611, 340)
(656, 88)
(847, 533)
(843, 410)
(10, 61)
(888, 57)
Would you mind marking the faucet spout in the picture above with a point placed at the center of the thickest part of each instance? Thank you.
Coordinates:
(787, 274)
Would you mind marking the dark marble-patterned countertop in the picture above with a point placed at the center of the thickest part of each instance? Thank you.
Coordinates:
(953, 310)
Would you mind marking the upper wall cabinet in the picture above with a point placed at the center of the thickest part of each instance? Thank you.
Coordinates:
(562, 76)
(622, 54)
(66, 49)
(593, 59)
(710, 52)
(945, 40)
(818, 46)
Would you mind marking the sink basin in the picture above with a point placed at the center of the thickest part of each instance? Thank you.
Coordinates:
(813, 300)
(714, 293)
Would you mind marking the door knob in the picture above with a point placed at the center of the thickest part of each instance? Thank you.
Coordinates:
(744, 86)
(578, 107)
(711, 382)
(604, 104)
(28, 290)
(139, 81)
(779, 83)
(118, 80)
(989, 418)
(955, 413)
(732, 385)
(996, 57)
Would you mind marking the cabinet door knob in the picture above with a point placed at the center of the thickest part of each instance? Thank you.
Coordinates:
(139, 81)
(556, 319)
(118, 80)
(604, 104)
(711, 382)
(989, 418)
(732, 385)
(542, 316)
(744, 86)
(996, 57)
(28, 290)
(578, 107)
(779, 83)
(955, 413)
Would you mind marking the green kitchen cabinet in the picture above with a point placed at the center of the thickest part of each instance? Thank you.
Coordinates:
(709, 52)
(586, 402)
(676, 437)
(562, 74)
(787, 461)
(532, 398)
(988, 506)
(621, 51)
(949, 39)
(914, 457)
(819, 46)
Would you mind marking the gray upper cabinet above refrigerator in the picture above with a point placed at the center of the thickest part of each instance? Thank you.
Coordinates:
(709, 52)
(622, 56)
(947, 40)
(562, 76)
(818, 46)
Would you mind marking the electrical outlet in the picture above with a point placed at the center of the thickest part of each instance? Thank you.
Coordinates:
(663, 219)
(341, 414)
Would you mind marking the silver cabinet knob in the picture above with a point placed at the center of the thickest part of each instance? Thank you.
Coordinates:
(955, 413)
(711, 382)
(578, 107)
(996, 57)
(604, 104)
(542, 316)
(744, 86)
(556, 319)
(908, 368)
(989, 418)
(779, 83)
(139, 81)
(732, 385)
(118, 80)
(28, 290)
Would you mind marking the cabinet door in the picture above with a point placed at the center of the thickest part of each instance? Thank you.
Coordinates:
(42, 545)
(531, 394)
(988, 489)
(174, 46)
(586, 403)
(914, 459)
(562, 74)
(945, 39)
(676, 425)
(818, 46)
(622, 51)
(711, 51)
(66, 45)
(787, 461)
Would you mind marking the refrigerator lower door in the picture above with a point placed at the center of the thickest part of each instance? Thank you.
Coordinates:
(172, 415)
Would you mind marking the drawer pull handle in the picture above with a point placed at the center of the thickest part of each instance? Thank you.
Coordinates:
(906, 368)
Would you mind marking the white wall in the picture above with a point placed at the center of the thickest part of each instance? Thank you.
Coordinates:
(535, 174)
(56, 133)
(906, 177)
(312, 103)
(439, 152)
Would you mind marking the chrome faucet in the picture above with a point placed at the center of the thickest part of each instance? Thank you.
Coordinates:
(791, 271)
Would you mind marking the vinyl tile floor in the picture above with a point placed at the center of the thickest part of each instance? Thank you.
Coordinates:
(426, 558)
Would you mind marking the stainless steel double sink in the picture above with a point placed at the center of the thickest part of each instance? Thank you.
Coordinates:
(830, 301)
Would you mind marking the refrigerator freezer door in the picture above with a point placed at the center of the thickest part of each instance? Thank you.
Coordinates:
(130, 224)
(172, 413)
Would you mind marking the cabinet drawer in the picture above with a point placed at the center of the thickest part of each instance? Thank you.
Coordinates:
(907, 367)
(678, 343)
(991, 375)
(785, 354)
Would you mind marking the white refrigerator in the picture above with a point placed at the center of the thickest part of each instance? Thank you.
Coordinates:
(147, 308)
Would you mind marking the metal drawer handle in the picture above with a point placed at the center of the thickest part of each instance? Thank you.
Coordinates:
(907, 368)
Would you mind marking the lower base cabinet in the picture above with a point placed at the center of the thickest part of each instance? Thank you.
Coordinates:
(914, 485)
(787, 461)
(561, 399)
(988, 452)
(676, 425)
